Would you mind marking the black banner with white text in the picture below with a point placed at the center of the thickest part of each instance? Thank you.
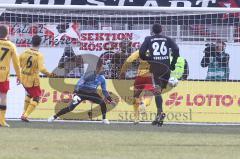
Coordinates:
(161, 3)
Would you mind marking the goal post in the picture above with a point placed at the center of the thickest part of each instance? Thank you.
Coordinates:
(74, 37)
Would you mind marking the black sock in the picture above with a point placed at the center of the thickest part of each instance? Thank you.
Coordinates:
(159, 101)
(66, 110)
(103, 116)
(62, 112)
(103, 109)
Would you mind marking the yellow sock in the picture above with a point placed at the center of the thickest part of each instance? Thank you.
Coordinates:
(147, 101)
(30, 108)
(2, 117)
(136, 109)
(26, 103)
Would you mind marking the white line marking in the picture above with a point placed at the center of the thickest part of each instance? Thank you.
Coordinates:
(129, 122)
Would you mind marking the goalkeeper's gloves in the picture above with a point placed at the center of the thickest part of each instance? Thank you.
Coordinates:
(110, 101)
(76, 99)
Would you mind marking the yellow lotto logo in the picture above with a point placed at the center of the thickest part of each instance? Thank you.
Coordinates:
(190, 101)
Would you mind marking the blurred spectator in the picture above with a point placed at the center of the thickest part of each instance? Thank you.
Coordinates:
(217, 61)
(181, 71)
(106, 57)
(71, 63)
(67, 54)
(119, 57)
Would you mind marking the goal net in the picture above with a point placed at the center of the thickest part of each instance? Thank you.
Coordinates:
(74, 37)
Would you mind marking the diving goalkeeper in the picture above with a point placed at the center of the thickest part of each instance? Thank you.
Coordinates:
(86, 89)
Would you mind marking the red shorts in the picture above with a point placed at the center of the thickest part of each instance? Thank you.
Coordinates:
(34, 91)
(144, 83)
(4, 87)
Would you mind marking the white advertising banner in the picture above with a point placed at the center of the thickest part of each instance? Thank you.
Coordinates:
(192, 53)
(96, 42)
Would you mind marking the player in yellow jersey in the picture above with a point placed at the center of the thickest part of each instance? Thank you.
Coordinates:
(143, 81)
(7, 53)
(32, 63)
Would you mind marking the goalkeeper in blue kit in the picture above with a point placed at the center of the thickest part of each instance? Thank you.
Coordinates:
(86, 89)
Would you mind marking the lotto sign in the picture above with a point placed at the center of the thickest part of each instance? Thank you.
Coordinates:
(190, 101)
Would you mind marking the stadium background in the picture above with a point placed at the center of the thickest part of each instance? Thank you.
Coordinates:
(194, 100)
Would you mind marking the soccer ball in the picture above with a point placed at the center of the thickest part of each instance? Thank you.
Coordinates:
(173, 82)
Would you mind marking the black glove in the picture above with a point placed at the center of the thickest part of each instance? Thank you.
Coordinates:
(172, 67)
(109, 99)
